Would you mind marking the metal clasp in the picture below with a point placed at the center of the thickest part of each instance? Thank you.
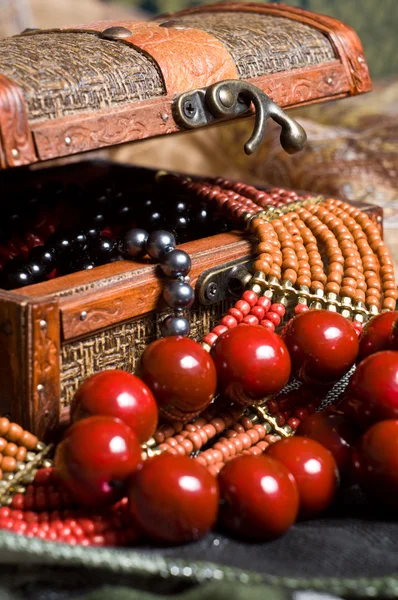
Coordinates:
(233, 98)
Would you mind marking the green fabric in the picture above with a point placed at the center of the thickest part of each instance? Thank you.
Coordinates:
(210, 591)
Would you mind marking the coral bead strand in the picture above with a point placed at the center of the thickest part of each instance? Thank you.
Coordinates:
(382, 254)
(348, 248)
(195, 436)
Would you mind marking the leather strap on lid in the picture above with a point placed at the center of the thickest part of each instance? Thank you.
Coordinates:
(16, 141)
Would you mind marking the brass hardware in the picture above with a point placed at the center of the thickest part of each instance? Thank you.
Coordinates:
(229, 280)
(233, 98)
(115, 33)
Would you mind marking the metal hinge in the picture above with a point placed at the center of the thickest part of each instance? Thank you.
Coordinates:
(233, 98)
(227, 281)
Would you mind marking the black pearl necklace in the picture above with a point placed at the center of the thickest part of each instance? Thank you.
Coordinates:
(175, 264)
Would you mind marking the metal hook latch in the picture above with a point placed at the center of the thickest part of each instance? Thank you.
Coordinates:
(233, 98)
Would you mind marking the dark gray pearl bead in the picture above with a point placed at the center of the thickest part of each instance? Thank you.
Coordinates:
(178, 294)
(176, 262)
(175, 326)
(133, 243)
(159, 243)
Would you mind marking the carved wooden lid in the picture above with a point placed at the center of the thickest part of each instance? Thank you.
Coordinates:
(90, 86)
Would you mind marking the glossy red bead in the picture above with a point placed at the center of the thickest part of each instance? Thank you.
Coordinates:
(250, 297)
(300, 308)
(258, 312)
(376, 334)
(322, 344)
(394, 336)
(95, 458)
(181, 375)
(118, 394)
(264, 302)
(251, 363)
(378, 463)
(335, 432)
(314, 469)
(174, 499)
(267, 325)
(250, 320)
(372, 394)
(259, 497)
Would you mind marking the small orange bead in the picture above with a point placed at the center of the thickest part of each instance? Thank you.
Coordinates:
(14, 432)
(263, 266)
(29, 440)
(11, 449)
(372, 301)
(347, 291)
(391, 294)
(332, 287)
(21, 454)
(8, 464)
(349, 281)
(290, 275)
(4, 426)
(389, 303)
(304, 280)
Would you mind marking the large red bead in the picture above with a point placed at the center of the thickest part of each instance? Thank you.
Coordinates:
(259, 497)
(376, 335)
(251, 363)
(314, 469)
(335, 432)
(174, 499)
(378, 463)
(322, 344)
(181, 375)
(372, 394)
(118, 394)
(95, 458)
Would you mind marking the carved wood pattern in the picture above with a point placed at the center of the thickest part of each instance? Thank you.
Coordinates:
(109, 128)
(45, 367)
(16, 142)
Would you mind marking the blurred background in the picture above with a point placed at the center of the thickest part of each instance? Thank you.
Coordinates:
(352, 149)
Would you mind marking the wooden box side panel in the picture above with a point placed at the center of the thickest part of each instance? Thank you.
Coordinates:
(30, 362)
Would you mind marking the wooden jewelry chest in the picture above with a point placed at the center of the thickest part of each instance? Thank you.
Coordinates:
(81, 88)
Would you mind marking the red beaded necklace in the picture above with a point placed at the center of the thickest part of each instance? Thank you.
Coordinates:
(312, 253)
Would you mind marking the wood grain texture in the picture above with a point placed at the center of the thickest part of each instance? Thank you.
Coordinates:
(16, 142)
